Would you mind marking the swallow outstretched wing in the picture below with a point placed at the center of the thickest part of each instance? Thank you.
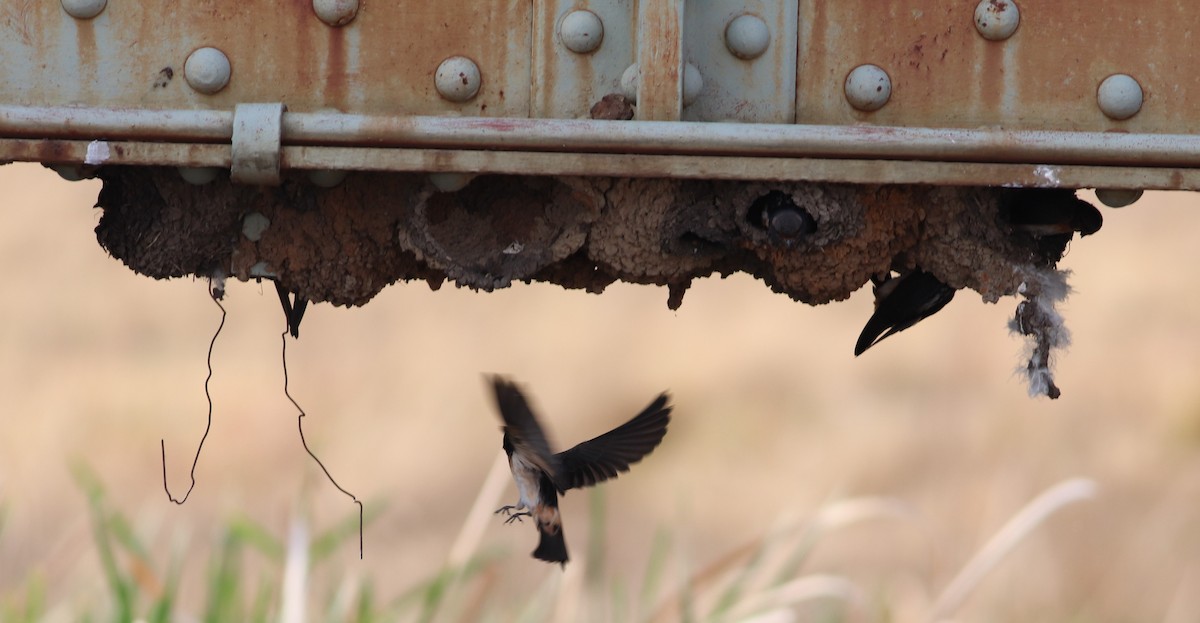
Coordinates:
(603, 457)
(521, 428)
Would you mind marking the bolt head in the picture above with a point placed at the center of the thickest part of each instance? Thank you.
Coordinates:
(253, 226)
(747, 36)
(335, 12)
(629, 82)
(199, 176)
(207, 70)
(458, 79)
(84, 9)
(450, 182)
(326, 178)
(997, 20)
(70, 172)
(1118, 197)
(1119, 96)
(693, 83)
(868, 87)
(581, 31)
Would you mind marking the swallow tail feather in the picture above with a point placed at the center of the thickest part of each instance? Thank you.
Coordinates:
(552, 545)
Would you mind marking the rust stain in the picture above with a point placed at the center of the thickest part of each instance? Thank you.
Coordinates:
(335, 69)
(944, 73)
(18, 17)
(85, 41)
(659, 61)
(812, 70)
(990, 78)
(1044, 76)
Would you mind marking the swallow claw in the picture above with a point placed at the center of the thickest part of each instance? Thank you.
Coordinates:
(508, 512)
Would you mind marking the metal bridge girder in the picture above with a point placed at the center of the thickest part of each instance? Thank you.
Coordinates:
(1070, 93)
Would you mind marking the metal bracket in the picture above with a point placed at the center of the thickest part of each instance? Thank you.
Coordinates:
(257, 144)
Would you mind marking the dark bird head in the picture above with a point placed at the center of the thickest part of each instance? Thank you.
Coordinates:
(786, 223)
(1087, 219)
(1043, 212)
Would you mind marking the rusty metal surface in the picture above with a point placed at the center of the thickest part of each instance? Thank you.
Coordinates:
(957, 98)
(759, 90)
(566, 84)
(855, 171)
(660, 60)
(132, 55)
(665, 138)
(944, 74)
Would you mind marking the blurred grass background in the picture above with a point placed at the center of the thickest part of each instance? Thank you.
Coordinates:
(775, 423)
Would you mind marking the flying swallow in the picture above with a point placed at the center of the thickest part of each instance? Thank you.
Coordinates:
(786, 223)
(292, 311)
(1045, 212)
(900, 303)
(541, 475)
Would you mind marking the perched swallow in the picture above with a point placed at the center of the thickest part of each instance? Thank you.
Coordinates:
(900, 303)
(1045, 212)
(786, 223)
(292, 311)
(541, 475)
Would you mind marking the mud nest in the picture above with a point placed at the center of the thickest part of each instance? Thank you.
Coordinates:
(813, 242)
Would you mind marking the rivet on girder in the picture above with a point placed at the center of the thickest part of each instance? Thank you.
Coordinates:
(581, 31)
(199, 176)
(747, 36)
(458, 79)
(253, 226)
(868, 87)
(84, 9)
(335, 12)
(1119, 96)
(693, 83)
(326, 178)
(997, 20)
(1118, 197)
(207, 70)
(450, 182)
(71, 172)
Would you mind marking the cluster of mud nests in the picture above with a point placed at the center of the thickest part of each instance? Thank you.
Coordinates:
(813, 242)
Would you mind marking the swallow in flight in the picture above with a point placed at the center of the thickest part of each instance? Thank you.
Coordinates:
(541, 475)
(901, 302)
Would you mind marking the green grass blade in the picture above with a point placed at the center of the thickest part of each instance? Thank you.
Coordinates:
(223, 589)
(737, 586)
(32, 607)
(123, 589)
(261, 611)
(258, 537)
(365, 609)
(160, 612)
(656, 566)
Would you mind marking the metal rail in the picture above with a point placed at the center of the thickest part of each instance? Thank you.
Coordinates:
(861, 154)
(623, 137)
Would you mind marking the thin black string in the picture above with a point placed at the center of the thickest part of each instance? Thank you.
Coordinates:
(300, 427)
(215, 293)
